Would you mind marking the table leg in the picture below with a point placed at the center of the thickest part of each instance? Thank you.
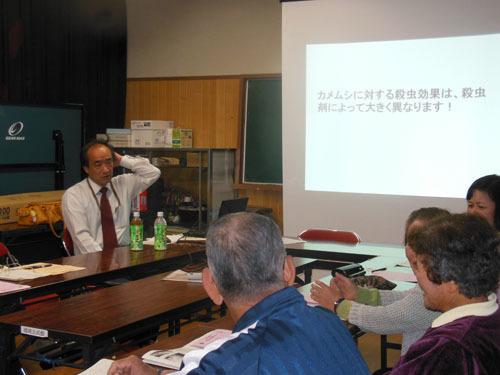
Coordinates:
(8, 366)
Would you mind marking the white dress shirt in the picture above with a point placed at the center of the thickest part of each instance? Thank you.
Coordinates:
(81, 211)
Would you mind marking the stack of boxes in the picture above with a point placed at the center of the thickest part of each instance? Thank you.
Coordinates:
(149, 133)
(155, 133)
(117, 137)
(186, 138)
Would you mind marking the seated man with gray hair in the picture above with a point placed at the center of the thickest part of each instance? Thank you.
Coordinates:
(276, 332)
(457, 265)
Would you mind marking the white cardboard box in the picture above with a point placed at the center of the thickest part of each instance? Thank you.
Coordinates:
(173, 138)
(120, 143)
(119, 137)
(115, 139)
(168, 138)
(117, 131)
(148, 137)
(159, 137)
(176, 138)
(151, 124)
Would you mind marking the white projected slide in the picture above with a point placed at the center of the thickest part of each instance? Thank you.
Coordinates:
(408, 117)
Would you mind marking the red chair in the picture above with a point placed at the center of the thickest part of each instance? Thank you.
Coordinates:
(324, 235)
(6, 257)
(330, 235)
(67, 242)
(3, 250)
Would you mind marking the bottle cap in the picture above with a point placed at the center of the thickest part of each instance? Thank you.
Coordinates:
(136, 214)
(160, 213)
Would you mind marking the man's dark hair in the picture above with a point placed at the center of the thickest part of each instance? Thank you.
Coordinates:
(425, 214)
(461, 248)
(489, 184)
(246, 255)
(84, 153)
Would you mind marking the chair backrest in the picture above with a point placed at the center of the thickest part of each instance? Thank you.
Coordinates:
(6, 257)
(330, 235)
(3, 250)
(67, 242)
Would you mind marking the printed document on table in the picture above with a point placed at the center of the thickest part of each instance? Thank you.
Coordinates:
(174, 238)
(381, 262)
(180, 275)
(289, 241)
(6, 287)
(405, 263)
(396, 276)
(17, 274)
(45, 269)
(99, 368)
(172, 358)
(309, 300)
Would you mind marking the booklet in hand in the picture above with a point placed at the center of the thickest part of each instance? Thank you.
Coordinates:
(173, 358)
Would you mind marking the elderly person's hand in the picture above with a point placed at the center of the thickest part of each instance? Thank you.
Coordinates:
(131, 365)
(326, 295)
(346, 285)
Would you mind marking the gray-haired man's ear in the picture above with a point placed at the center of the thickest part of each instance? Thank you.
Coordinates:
(289, 271)
(210, 287)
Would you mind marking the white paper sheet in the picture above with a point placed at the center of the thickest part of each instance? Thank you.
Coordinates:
(101, 367)
(289, 240)
(181, 275)
(173, 358)
(6, 287)
(397, 276)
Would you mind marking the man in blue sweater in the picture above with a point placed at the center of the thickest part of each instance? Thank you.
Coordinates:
(275, 332)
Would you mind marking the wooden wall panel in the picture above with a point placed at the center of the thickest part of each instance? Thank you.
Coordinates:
(208, 113)
(220, 113)
(209, 106)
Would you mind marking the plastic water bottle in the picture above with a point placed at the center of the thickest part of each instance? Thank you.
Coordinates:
(136, 232)
(160, 232)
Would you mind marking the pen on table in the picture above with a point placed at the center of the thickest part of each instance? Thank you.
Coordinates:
(379, 269)
(39, 266)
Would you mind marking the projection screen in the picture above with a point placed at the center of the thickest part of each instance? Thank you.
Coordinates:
(388, 106)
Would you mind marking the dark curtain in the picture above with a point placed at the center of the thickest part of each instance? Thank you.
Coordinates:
(66, 51)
